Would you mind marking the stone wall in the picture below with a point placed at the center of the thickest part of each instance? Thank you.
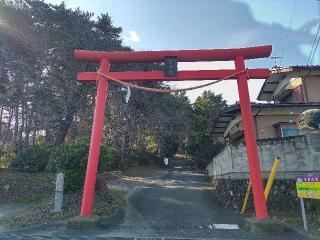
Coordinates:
(231, 193)
(282, 200)
(299, 156)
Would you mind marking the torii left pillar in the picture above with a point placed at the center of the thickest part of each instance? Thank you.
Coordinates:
(96, 135)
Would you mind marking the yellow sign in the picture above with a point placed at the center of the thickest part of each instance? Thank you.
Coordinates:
(306, 188)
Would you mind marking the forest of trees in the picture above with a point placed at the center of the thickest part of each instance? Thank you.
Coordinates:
(42, 104)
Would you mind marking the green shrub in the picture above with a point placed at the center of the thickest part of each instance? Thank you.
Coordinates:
(109, 161)
(71, 159)
(169, 147)
(6, 157)
(312, 119)
(205, 151)
(34, 158)
(141, 157)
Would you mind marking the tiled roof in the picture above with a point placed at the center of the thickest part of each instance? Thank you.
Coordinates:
(277, 74)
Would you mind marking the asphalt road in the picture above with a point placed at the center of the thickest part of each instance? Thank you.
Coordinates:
(183, 206)
(180, 206)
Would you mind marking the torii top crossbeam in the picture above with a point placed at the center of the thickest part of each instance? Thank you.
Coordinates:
(242, 74)
(181, 56)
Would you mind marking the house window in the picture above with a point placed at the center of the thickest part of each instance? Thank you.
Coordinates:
(285, 129)
(289, 132)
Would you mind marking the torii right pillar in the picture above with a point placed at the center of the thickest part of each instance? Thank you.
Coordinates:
(250, 140)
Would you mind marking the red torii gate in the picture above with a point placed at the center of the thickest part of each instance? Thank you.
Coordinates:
(236, 55)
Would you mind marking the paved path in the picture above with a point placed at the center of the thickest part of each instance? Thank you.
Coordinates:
(182, 206)
(179, 206)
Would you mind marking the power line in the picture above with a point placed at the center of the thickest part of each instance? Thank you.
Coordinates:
(275, 60)
(288, 32)
(314, 47)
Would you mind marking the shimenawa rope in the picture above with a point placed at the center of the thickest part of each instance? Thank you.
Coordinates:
(158, 90)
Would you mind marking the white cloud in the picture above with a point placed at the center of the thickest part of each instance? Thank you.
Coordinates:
(228, 88)
(132, 37)
(244, 37)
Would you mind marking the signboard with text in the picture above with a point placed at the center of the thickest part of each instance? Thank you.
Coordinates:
(308, 187)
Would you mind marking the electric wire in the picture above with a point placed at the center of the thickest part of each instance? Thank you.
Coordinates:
(288, 32)
(314, 47)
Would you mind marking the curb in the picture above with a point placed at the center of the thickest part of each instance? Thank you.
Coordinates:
(94, 222)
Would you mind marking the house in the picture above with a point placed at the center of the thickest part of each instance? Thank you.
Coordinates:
(284, 96)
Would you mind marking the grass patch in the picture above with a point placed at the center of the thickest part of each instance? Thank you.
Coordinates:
(118, 193)
(34, 198)
(25, 187)
(117, 201)
(32, 194)
(295, 220)
(106, 203)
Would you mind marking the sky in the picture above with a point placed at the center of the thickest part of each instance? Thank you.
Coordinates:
(288, 25)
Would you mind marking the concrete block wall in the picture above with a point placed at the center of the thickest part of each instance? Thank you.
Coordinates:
(299, 156)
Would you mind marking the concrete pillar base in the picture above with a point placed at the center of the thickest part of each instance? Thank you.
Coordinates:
(265, 226)
(82, 223)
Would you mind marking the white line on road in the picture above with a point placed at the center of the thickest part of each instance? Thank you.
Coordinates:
(226, 226)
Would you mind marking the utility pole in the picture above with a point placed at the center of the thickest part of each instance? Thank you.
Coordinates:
(275, 60)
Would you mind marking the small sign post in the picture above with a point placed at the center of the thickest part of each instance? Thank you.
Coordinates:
(166, 161)
(307, 187)
(58, 193)
(304, 217)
